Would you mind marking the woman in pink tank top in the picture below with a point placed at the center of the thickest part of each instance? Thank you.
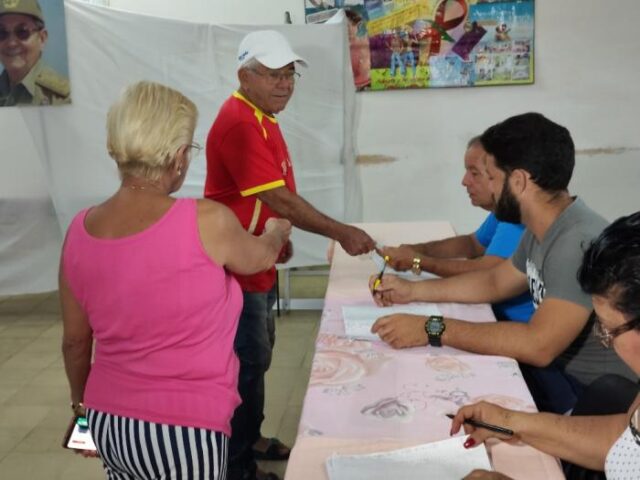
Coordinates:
(145, 286)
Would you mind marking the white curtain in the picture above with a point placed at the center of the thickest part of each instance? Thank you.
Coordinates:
(109, 49)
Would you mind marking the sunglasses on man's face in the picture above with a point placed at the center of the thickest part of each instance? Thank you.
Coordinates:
(22, 33)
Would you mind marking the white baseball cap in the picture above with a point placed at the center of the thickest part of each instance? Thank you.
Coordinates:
(270, 48)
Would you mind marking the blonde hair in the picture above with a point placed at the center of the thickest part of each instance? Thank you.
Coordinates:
(147, 126)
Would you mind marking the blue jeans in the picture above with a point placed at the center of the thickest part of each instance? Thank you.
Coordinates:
(409, 59)
(552, 389)
(396, 62)
(253, 345)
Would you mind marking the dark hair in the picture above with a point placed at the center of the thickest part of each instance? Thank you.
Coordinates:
(533, 143)
(611, 267)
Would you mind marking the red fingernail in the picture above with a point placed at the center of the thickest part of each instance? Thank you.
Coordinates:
(469, 443)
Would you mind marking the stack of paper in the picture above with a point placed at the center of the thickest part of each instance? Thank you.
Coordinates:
(359, 319)
(445, 460)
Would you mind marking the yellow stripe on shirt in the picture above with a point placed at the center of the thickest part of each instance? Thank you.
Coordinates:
(259, 114)
(262, 188)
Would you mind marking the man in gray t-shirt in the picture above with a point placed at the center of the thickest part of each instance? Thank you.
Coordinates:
(529, 163)
(551, 267)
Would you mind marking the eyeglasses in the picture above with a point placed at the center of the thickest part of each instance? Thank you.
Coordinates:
(605, 335)
(22, 33)
(634, 425)
(275, 77)
(196, 146)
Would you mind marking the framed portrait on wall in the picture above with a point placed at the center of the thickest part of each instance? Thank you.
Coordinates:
(33, 53)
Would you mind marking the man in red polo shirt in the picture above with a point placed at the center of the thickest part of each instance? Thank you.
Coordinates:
(249, 170)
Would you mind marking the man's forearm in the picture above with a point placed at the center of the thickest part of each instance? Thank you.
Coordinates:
(472, 287)
(461, 246)
(507, 339)
(445, 267)
(301, 213)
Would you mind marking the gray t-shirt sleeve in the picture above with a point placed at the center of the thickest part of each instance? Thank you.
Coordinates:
(561, 270)
(519, 257)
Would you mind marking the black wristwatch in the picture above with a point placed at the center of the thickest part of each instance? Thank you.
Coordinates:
(434, 326)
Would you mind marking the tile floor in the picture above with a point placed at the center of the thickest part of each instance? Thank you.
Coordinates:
(34, 395)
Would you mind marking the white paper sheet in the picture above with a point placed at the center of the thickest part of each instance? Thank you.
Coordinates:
(359, 319)
(407, 275)
(445, 460)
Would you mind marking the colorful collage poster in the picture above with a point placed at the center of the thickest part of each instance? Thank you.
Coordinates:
(435, 43)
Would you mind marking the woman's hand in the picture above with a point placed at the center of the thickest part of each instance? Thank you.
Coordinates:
(279, 227)
(487, 413)
(88, 453)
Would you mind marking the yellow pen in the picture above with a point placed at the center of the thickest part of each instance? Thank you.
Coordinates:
(378, 281)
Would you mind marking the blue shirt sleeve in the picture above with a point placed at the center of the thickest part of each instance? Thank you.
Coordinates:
(505, 240)
(487, 230)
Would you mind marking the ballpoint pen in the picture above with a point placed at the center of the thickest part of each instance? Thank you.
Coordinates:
(488, 426)
(378, 281)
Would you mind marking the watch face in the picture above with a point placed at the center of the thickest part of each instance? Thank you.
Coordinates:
(435, 326)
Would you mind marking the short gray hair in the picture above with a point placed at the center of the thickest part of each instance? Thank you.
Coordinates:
(250, 64)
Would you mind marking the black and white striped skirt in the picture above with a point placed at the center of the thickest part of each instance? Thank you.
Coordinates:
(135, 449)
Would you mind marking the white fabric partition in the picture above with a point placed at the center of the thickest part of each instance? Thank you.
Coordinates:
(109, 49)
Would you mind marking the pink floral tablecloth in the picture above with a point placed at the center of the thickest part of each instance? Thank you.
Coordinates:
(364, 396)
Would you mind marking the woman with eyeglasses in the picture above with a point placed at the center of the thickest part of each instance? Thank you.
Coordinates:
(610, 273)
(145, 278)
